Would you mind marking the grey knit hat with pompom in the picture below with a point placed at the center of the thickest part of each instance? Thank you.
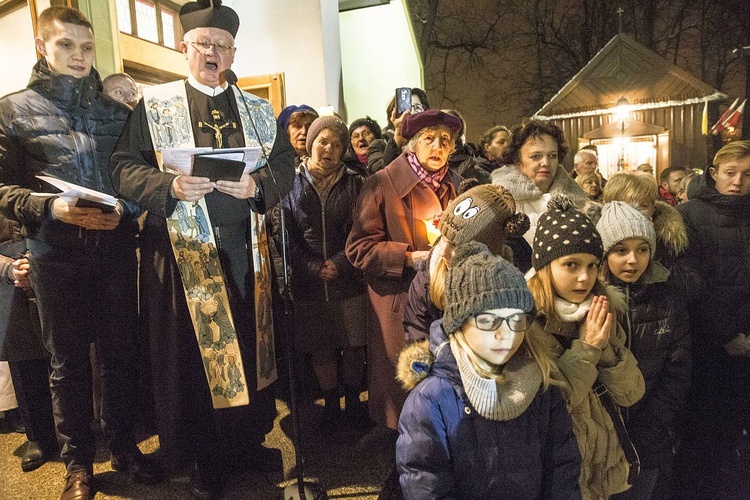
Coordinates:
(562, 230)
(479, 281)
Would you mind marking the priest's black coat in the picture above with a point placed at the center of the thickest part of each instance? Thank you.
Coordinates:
(189, 428)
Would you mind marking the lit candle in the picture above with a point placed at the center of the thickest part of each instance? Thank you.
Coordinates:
(431, 225)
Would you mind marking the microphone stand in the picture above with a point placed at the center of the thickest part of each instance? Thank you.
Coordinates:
(301, 489)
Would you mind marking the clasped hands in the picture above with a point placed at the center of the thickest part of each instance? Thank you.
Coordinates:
(328, 271)
(20, 273)
(190, 188)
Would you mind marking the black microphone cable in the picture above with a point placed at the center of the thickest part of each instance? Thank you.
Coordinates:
(302, 488)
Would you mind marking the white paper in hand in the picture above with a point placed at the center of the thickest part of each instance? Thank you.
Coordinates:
(71, 193)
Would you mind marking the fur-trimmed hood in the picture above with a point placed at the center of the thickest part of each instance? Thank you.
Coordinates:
(429, 356)
(522, 188)
(414, 364)
(670, 230)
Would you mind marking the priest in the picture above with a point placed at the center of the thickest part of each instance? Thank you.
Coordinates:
(207, 328)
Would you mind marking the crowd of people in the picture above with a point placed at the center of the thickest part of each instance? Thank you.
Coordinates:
(525, 331)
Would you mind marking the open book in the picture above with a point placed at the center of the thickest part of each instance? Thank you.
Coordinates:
(79, 196)
(216, 164)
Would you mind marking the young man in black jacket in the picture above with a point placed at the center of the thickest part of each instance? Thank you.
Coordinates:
(82, 260)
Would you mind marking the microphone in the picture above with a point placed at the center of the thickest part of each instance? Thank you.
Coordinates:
(230, 76)
(302, 489)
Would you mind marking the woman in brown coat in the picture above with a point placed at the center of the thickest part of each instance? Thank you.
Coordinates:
(395, 208)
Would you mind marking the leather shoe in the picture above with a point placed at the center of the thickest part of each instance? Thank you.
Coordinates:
(141, 468)
(78, 486)
(34, 457)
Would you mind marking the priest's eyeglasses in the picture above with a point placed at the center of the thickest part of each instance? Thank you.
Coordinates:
(204, 47)
(488, 322)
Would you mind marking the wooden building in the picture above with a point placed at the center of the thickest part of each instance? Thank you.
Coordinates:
(635, 107)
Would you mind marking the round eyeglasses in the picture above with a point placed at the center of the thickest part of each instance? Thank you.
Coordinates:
(488, 322)
(204, 47)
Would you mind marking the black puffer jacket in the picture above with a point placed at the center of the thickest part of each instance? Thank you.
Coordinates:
(718, 229)
(317, 231)
(657, 333)
(64, 127)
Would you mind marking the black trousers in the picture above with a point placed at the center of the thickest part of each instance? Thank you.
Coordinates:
(31, 385)
(88, 294)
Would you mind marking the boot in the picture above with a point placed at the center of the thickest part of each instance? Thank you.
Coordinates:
(356, 410)
(331, 411)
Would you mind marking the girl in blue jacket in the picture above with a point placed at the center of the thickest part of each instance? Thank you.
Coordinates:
(481, 421)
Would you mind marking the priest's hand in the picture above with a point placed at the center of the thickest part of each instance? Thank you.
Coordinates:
(243, 189)
(88, 218)
(189, 188)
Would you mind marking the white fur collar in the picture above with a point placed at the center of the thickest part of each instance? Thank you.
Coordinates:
(521, 187)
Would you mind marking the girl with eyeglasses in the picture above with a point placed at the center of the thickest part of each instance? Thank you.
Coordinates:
(577, 324)
(481, 420)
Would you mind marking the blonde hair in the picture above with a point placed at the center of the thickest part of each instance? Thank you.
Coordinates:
(736, 150)
(630, 187)
(438, 275)
(487, 370)
(581, 179)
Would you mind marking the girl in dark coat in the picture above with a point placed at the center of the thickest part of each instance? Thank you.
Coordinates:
(484, 423)
(656, 329)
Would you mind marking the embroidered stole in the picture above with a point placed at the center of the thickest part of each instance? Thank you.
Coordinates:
(195, 250)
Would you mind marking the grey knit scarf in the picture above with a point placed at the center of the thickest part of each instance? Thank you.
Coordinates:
(505, 399)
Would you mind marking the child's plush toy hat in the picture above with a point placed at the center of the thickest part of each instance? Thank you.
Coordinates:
(484, 213)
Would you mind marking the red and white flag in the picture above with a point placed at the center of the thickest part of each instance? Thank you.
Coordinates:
(735, 118)
(719, 125)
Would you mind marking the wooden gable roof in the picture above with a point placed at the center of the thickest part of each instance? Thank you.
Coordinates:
(625, 68)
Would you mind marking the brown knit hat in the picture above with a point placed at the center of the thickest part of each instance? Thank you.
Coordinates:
(478, 281)
(484, 213)
(327, 122)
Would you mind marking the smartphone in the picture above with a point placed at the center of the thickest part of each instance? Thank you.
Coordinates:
(403, 99)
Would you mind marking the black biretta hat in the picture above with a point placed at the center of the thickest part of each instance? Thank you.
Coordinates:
(209, 14)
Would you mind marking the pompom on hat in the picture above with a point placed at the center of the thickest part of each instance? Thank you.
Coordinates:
(484, 213)
(562, 230)
(331, 122)
(413, 123)
(479, 281)
(209, 14)
(620, 221)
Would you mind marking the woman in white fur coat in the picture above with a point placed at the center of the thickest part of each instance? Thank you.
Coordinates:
(533, 173)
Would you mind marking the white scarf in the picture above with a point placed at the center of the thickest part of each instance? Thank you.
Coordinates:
(570, 312)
